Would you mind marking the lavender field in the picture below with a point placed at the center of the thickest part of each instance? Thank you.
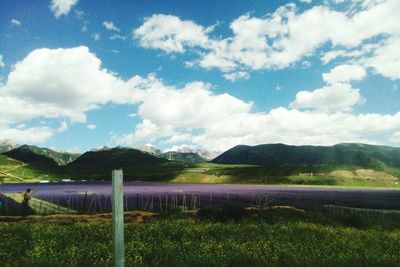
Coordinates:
(95, 197)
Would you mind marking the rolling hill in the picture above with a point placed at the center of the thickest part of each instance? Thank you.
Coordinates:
(135, 163)
(40, 156)
(340, 154)
(115, 158)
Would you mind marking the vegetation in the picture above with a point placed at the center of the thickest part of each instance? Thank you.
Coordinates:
(278, 237)
(338, 175)
(341, 154)
(40, 156)
(31, 165)
(12, 171)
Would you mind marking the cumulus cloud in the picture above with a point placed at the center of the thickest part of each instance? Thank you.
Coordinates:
(330, 98)
(59, 84)
(15, 22)
(386, 59)
(109, 25)
(192, 106)
(35, 135)
(344, 73)
(170, 33)
(62, 7)
(279, 39)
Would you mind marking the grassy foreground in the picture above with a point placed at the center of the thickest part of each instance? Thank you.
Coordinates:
(280, 237)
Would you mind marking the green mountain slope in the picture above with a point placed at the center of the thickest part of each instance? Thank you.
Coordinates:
(40, 156)
(135, 163)
(341, 154)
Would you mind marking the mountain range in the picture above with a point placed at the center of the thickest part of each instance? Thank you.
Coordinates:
(341, 154)
(243, 162)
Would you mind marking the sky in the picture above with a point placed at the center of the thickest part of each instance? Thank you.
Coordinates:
(77, 75)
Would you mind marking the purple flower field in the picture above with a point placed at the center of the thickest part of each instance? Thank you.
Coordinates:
(91, 197)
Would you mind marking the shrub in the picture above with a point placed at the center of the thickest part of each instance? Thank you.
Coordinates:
(353, 221)
(223, 213)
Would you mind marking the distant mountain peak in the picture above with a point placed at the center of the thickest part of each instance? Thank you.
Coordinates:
(208, 155)
(149, 148)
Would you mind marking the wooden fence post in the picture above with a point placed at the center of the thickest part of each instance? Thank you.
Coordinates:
(118, 218)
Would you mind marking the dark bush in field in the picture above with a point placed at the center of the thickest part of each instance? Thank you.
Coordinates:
(353, 221)
(223, 213)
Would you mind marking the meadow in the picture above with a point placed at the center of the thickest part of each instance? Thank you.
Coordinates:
(273, 237)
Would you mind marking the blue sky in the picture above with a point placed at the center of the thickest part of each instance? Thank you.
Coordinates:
(206, 74)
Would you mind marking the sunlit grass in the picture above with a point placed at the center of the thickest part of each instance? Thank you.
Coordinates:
(282, 238)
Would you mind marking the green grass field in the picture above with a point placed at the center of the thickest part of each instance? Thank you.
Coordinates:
(13, 171)
(280, 237)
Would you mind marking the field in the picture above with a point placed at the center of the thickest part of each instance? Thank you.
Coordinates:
(274, 237)
(12, 171)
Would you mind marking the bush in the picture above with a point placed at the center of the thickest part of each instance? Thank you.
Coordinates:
(223, 213)
(353, 221)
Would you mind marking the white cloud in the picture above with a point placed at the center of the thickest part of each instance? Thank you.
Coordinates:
(195, 105)
(344, 73)
(45, 83)
(91, 126)
(62, 7)
(96, 36)
(63, 127)
(386, 59)
(306, 1)
(280, 39)
(334, 97)
(331, 55)
(170, 33)
(15, 22)
(237, 75)
(109, 25)
(117, 36)
(2, 65)
(33, 135)
(170, 112)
